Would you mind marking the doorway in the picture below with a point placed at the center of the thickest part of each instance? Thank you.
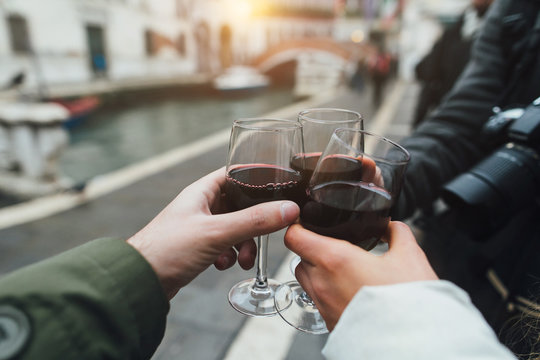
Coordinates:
(95, 36)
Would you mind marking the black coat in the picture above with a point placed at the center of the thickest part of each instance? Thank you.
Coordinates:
(450, 142)
(439, 69)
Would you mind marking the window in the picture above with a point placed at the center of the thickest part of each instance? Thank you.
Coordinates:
(181, 10)
(184, 8)
(145, 6)
(95, 35)
(149, 42)
(18, 31)
(181, 44)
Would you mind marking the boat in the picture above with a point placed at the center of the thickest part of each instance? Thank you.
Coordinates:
(240, 80)
(32, 137)
(79, 109)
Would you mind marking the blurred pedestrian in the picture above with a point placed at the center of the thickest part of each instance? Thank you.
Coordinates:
(439, 69)
(357, 81)
(379, 65)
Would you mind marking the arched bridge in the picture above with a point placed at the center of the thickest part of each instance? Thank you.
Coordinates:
(293, 49)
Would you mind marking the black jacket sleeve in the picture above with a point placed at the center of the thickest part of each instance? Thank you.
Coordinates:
(449, 142)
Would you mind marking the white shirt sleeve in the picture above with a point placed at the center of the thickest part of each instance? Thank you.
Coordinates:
(418, 320)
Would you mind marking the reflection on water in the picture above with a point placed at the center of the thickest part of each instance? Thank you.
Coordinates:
(106, 142)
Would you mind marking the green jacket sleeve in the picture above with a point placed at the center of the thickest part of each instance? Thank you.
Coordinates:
(101, 300)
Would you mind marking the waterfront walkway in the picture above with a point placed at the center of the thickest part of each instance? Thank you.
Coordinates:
(201, 323)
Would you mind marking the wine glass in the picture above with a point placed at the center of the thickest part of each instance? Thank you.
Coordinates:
(354, 186)
(350, 194)
(318, 125)
(258, 170)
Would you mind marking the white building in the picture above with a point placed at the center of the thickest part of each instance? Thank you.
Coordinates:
(66, 41)
(88, 43)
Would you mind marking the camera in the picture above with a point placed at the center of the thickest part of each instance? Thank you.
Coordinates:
(493, 191)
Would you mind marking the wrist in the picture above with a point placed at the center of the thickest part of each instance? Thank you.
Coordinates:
(144, 248)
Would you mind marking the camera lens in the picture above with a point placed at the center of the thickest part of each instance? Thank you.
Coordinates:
(488, 195)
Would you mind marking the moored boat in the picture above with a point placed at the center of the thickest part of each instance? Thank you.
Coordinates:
(240, 79)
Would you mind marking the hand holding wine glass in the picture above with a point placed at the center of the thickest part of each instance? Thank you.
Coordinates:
(350, 195)
(195, 230)
(333, 270)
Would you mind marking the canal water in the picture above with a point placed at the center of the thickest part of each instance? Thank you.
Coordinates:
(112, 139)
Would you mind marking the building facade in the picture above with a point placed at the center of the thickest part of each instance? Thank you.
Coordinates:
(62, 42)
(65, 41)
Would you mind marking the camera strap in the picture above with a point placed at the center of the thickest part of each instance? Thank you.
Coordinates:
(513, 284)
(523, 18)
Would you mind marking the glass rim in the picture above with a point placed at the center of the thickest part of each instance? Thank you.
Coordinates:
(381, 138)
(303, 115)
(282, 124)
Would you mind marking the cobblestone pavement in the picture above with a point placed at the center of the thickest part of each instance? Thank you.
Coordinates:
(201, 323)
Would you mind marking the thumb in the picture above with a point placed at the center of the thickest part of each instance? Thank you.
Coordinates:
(257, 220)
(399, 236)
(313, 247)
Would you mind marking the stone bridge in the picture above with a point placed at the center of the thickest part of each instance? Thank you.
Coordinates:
(287, 51)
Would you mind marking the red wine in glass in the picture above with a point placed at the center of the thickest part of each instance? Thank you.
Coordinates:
(336, 166)
(346, 203)
(358, 212)
(305, 164)
(248, 185)
(332, 167)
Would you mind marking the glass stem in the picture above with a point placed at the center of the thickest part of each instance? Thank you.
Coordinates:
(261, 281)
(306, 298)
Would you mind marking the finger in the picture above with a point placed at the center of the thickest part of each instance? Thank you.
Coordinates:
(211, 186)
(399, 236)
(247, 252)
(378, 178)
(369, 169)
(403, 246)
(225, 260)
(261, 219)
(216, 177)
(302, 275)
(313, 247)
